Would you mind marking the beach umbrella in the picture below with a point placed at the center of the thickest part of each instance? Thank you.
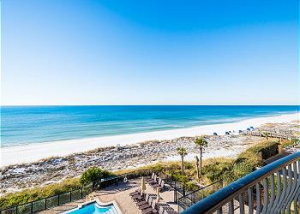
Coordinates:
(143, 185)
(157, 193)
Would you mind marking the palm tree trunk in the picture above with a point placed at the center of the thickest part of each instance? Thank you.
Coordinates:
(182, 166)
(200, 164)
(197, 167)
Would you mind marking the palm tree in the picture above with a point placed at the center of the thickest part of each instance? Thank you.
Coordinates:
(200, 142)
(197, 166)
(182, 152)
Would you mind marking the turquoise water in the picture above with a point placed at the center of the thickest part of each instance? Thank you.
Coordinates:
(93, 209)
(36, 124)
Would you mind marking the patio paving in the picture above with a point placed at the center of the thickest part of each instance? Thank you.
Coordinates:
(120, 194)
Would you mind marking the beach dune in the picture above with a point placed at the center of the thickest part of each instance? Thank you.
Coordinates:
(37, 151)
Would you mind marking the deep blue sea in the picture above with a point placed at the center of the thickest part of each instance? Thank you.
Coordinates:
(35, 124)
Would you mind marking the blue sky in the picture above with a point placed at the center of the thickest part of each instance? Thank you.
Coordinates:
(70, 52)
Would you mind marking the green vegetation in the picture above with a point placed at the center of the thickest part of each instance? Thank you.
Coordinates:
(182, 152)
(200, 142)
(37, 193)
(286, 143)
(246, 162)
(213, 169)
(265, 134)
(93, 175)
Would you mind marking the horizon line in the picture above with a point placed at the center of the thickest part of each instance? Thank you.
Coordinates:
(54, 105)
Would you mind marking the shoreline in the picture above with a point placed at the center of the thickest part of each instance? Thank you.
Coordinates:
(37, 151)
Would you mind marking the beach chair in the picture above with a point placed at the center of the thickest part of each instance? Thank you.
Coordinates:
(152, 178)
(152, 209)
(169, 210)
(151, 198)
(162, 185)
(137, 191)
(141, 203)
(161, 206)
(154, 186)
(138, 197)
(144, 207)
(158, 182)
(161, 210)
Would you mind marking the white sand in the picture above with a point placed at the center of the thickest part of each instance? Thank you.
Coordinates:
(37, 151)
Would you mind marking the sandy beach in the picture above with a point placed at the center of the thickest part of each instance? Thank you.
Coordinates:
(37, 151)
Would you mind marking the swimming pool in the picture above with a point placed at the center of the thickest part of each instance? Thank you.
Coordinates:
(95, 208)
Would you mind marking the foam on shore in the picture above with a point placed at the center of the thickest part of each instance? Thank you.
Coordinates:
(37, 151)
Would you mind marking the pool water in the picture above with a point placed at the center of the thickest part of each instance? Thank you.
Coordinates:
(94, 208)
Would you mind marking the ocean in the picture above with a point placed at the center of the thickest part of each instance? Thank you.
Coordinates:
(22, 125)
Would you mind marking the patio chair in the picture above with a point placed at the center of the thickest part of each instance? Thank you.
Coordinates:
(154, 186)
(161, 207)
(137, 191)
(138, 197)
(143, 202)
(154, 180)
(152, 209)
(153, 175)
(162, 185)
(169, 210)
(144, 207)
(158, 182)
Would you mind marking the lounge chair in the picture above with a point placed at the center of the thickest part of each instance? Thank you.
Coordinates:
(138, 197)
(152, 178)
(162, 185)
(161, 210)
(144, 201)
(144, 207)
(161, 206)
(152, 209)
(158, 182)
(154, 186)
(137, 191)
(151, 198)
(168, 210)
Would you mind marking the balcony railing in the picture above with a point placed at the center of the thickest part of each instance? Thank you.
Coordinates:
(274, 188)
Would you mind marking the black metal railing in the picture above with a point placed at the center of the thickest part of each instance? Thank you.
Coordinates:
(275, 188)
(49, 202)
(67, 197)
(185, 201)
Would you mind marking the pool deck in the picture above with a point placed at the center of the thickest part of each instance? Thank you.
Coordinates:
(119, 194)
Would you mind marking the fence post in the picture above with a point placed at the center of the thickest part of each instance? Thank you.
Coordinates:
(45, 204)
(31, 208)
(70, 197)
(58, 200)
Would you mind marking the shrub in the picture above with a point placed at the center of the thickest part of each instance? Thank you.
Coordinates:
(93, 175)
(286, 143)
(214, 168)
